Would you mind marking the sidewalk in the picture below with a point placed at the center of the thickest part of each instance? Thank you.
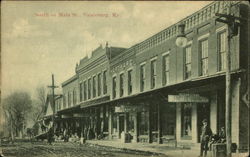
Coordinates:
(165, 149)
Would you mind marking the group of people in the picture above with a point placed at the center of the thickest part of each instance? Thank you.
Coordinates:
(207, 138)
(68, 136)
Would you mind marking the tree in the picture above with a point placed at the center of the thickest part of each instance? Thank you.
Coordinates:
(16, 108)
(40, 102)
(38, 107)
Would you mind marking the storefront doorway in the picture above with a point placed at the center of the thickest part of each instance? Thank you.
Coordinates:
(121, 124)
(203, 112)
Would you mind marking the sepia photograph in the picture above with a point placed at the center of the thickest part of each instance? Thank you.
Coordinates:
(125, 79)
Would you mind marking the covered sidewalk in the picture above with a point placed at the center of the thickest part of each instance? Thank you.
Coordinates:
(166, 149)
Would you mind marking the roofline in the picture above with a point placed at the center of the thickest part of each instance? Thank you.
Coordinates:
(73, 78)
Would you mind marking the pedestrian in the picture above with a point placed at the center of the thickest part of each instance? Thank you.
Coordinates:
(50, 135)
(206, 133)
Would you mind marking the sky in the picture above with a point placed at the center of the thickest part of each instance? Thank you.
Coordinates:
(39, 38)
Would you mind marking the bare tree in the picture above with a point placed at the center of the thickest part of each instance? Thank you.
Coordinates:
(16, 108)
(39, 103)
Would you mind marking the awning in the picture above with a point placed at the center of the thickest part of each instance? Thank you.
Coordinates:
(70, 109)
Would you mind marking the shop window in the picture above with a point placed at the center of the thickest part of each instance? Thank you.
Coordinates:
(131, 123)
(204, 57)
(165, 70)
(121, 85)
(153, 73)
(130, 86)
(105, 82)
(144, 122)
(168, 118)
(186, 120)
(187, 63)
(99, 84)
(222, 51)
(142, 77)
(114, 87)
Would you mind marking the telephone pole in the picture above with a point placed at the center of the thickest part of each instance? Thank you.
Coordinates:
(232, 29)
(53, 100)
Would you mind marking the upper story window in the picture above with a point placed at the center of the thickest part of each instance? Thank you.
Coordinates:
(74, 96)
(203, 57)
(85, 90)
(142, 77)
(81, 91)
(94, 86)
(105, 82)
(165, 69)
(121, 84)
(114, 87)
(99, 84)
(153, 73)
(89, 88)
(69, 99)
(187, 62)
(222, 51)
(64, 101)
(130, 84)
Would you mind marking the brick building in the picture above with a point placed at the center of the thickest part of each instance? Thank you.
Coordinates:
(158, 92)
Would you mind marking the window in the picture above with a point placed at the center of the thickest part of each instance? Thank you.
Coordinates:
(222, 51)
(89, 88)
(74, 96)
(121, 85)
(186, 120)
(114, 87)
(204, 57)
(165, 69)
(143, 125)
(69, 99)
(94, 86)
(130, 87)
(85, 90)
(64, 101)
(142, 77)
(105, 82)
(153, 73)
(187, 63)
(81, 91)
(99, 84)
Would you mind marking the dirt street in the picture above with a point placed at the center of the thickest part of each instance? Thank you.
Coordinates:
(42, 149)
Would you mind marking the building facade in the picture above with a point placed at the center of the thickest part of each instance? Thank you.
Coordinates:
(158, 92)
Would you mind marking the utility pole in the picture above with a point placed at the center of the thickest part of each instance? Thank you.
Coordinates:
(53, 100)
(232, 28)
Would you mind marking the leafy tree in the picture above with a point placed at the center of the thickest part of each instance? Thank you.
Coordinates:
(17, 107)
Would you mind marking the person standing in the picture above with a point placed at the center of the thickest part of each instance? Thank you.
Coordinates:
(206, 133)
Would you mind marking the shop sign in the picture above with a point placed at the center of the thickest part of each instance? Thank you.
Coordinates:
(66, 116)
(130, 108)
(187, 98)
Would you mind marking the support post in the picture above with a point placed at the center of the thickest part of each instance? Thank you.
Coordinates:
(159, 124)
(228, 90)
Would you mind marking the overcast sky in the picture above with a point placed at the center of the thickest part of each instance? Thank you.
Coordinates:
(38, 41)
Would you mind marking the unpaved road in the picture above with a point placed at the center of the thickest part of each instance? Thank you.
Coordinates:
(42, 149)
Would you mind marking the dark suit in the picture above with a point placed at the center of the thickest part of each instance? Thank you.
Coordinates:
(206, 133)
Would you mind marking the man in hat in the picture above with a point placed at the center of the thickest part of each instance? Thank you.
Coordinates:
(206, 133)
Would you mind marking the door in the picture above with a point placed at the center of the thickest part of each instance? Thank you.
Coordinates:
(121, 124)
